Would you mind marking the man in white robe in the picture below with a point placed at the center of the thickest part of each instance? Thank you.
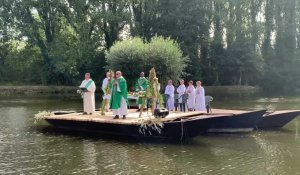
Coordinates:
(200, 97)
(191, 100)
(89, 95)
(181, 90)
(170, 91)
(104, 86)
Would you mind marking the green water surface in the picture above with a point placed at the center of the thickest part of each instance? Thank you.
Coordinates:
(27, 148)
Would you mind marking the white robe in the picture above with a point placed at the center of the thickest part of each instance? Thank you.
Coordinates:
(170, 91)
(88, 97)
(191, 100)
(200, 99)
(181, 90)
(104, 85)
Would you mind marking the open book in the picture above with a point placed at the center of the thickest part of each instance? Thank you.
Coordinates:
(83, 89)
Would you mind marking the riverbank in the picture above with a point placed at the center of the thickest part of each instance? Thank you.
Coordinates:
(71, 90)
(231, 89)
(37, 90)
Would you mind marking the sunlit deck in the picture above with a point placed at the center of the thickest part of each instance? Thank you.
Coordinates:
(133, 116)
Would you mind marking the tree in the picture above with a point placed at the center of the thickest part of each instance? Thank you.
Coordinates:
(134, 56)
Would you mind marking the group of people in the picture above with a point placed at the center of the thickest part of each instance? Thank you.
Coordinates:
(196, 95)
(115, 91)
(117, 94)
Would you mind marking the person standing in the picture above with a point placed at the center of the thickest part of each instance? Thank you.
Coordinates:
(170, 91)
(181, 90)
(200, 97)
(191, 100)
(89, 94)
(140, 86)
(106, 93)
(118, 101)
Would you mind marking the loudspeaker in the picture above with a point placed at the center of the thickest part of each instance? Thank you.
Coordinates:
(162, 113)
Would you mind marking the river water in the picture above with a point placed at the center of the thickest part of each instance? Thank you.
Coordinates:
(28, 148)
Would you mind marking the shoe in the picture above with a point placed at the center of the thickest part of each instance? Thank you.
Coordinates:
(91, 113)
(116, 117)
(84, 113)
(138, 110)
(124, 116)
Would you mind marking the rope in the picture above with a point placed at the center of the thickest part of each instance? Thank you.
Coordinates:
(181, 130)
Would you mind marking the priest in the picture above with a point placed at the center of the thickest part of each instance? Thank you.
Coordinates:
(89, 87)
(118, 101)
(140, 86)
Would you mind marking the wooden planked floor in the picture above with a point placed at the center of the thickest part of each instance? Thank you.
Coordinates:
(133, 117)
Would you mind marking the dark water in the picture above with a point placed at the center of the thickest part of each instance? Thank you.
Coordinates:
(26, 148)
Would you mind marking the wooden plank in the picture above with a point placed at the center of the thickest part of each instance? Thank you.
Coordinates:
(131, 118)
(226, 111)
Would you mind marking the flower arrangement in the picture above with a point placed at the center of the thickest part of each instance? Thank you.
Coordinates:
(41, 115)
(107, 91)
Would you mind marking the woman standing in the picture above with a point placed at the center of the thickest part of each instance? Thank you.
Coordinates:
(191, 100)
(170, 91)
(200, 97)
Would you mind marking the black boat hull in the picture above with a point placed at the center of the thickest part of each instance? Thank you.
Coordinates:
(245, 122)
(181, 129)
(275, 121)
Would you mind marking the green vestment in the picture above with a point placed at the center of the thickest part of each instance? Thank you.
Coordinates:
(118, 91)
(141, 85)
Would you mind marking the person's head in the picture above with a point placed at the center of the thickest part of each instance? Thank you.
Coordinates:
(142, 74)
(107, 74)
(181, 82)
(198, 83)
(87, 76)
(170, 82)
(118, 74)
(191, 83)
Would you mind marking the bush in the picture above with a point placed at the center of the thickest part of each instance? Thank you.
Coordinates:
(134, 56)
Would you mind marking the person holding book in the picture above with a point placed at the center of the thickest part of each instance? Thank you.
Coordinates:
(88, 87)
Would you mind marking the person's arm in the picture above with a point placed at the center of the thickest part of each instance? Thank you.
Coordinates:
(81, 85)
(193, 91)
(188, 90)
(121, 85)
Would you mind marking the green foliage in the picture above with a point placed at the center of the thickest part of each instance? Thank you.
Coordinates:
(227, 42)
(134, 56)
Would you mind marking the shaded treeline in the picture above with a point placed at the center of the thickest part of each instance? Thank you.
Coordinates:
(228, 42)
